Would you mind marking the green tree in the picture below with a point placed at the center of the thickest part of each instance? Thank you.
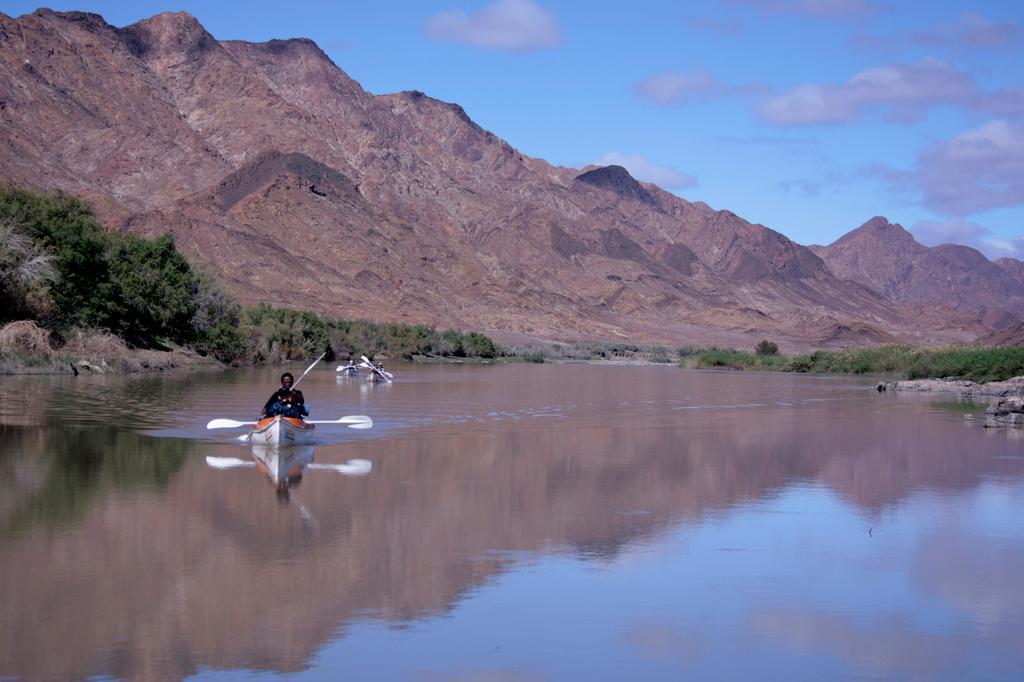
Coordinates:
(154, 289)
(479, 345)
(451, 344)
(766, 347)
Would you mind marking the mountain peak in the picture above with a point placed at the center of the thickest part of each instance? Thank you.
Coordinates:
(88, 20)
(170, 33)
(173, 23)
(287, 47)
(886, 257)
(880, 222)
(880, 229)
(618, 180)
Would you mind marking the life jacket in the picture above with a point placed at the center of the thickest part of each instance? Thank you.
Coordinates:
(292, 410)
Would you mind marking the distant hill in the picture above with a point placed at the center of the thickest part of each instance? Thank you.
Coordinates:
(887, 258)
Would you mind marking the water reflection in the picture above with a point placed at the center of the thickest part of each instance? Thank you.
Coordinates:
(55, 473)
(755, 510)
(285, 466)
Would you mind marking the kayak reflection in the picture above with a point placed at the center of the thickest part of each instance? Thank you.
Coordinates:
(285, 466)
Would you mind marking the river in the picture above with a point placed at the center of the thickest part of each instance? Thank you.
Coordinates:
(509, 522)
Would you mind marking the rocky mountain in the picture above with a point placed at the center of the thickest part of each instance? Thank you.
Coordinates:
(276, 170)
(887, 258)
(1013, 266)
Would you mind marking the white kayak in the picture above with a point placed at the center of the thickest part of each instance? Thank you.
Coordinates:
(377, 372)
(282, 431)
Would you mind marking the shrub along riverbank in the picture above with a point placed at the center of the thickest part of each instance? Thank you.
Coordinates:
(904, 362)
(907, 362)
(86, 290)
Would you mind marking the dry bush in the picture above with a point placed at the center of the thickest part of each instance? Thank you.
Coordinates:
(25, 337)
(98, 343)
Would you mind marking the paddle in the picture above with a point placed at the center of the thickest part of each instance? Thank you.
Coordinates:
(353, 421)
(307, 369)
(386, 375)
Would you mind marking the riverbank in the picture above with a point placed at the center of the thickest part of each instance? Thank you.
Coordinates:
(26, 348)
(965, 363)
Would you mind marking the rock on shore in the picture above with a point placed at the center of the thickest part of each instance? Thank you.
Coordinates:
(961, 387)
(1006, 408)
(1006, 411)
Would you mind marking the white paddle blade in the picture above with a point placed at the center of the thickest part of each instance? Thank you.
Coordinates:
(227, 424)
(355, 421)
(227, 462)
(353, 467)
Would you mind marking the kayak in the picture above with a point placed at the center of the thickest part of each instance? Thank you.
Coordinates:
(282, 431)
(377, 372)
(282, 465)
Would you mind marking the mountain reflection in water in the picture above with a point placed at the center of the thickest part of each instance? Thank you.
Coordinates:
(780, 497)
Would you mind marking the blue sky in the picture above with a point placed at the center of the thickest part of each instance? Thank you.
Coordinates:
(809, 116)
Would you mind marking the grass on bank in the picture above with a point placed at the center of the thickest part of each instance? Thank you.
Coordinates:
(904, 362)
(591, 351)
(908, 362)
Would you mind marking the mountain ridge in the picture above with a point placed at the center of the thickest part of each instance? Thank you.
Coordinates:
(436, 221)
(886, 257)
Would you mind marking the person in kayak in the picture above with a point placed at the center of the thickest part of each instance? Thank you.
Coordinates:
(286, 401)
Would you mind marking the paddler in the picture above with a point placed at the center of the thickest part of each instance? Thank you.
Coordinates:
(286, 401)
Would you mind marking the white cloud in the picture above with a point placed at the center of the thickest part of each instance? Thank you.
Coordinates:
(979, 170)
(511, 25)
(1004, 248)
(959, 231)
(901, 92)
(904, 90)
(951, 231)
(642, 169)
(824, 9)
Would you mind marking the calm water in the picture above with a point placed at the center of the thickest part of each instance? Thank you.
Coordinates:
(529, 522)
